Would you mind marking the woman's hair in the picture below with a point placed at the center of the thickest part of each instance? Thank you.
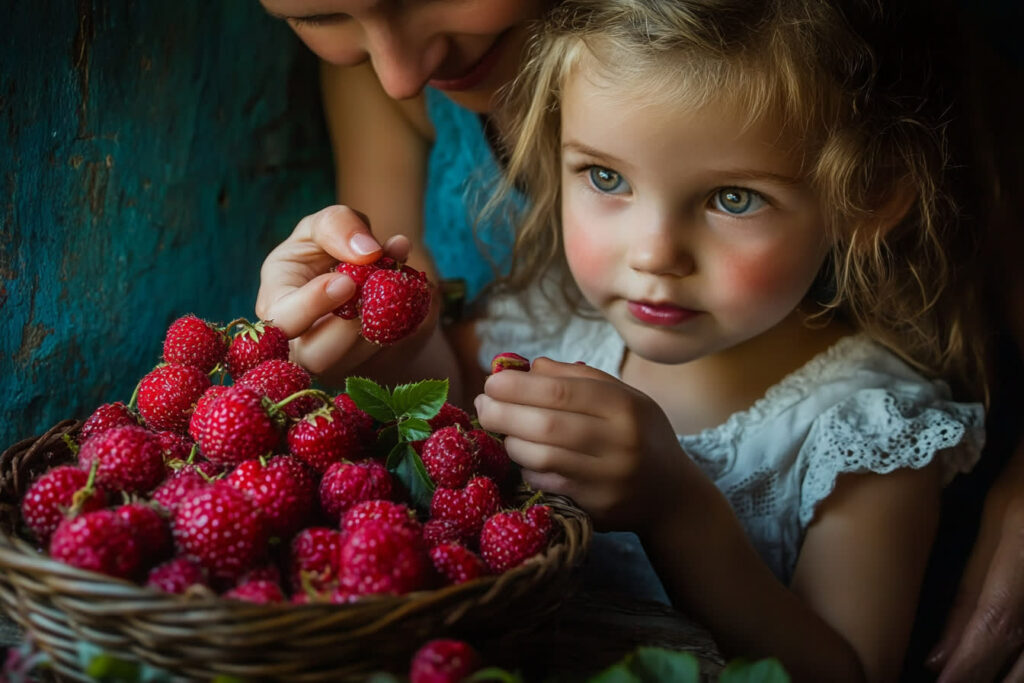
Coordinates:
(849, 80)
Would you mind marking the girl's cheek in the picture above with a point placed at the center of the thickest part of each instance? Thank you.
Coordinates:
(780, 276)
(587, 254)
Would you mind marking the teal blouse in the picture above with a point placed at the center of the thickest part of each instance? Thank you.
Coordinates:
(462, 173)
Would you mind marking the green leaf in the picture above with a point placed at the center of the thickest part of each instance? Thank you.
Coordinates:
(493, 674)
(413, 429)
(616, 673)
(413, 475)
(421, 399)
(660, 664)
(371, 398)
(762, 671)
(396, 455)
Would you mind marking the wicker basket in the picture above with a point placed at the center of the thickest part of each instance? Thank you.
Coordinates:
(59, 605)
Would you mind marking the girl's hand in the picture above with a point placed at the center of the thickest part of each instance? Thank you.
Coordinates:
(582, 433)
(299, 289)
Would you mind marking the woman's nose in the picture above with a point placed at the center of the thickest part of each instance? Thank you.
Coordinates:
(404, 60)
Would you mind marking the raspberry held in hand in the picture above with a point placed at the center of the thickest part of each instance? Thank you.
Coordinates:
(393, 304)
(509, 361)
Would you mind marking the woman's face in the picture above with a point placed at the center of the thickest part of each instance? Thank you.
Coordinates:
(465, 48)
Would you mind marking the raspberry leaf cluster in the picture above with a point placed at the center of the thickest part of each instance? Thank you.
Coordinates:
(405, 412)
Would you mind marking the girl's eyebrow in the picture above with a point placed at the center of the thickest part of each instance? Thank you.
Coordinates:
(760, 174)
(573, 146)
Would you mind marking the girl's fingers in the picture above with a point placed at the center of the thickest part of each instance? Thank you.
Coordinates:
(341, 232)
(561, 428)
(543, 458)
(549, 482)
(575, 389)
(296, 310)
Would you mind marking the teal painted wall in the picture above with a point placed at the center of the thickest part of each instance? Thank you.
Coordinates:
(151, 154)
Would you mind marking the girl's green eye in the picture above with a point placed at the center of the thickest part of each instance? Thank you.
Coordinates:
(606, 180)
(737, 201)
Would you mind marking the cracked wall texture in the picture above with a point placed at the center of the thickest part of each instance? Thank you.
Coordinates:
(151, 154)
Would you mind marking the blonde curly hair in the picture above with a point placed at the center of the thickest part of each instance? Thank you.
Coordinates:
(876, 152)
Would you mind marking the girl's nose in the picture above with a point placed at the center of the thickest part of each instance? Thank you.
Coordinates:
(404, 59)
(661, 247)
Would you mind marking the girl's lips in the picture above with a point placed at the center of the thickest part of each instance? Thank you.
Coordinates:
(665, 315)
(476, 73)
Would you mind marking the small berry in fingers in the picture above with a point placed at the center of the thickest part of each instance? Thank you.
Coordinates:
(350, 309)
(509, 361)
(393, 304)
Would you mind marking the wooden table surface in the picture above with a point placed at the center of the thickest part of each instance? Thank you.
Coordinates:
(588, 633)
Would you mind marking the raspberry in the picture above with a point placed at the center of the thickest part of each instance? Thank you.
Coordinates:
(175, 446)
(378, 557)
(443, 661)
(53, 494)
(261, 592)
(457, 563)
(177, 575)
(509, 361)
(237, 427)
(467, 507)
(325, 437)
(362, 422)
(282, 488)
(168, 395)
(128, 459)
(108, 415)
(358, 273)
(494, 460)
(346, 483)
(449, 416)
(439, 531)
(510, 538)
(195, 423)
(98, 541)
(313, 561)
(255, 343)
(189, 478)
(195, 342)
(222, 529)
(450, 457)
(389, 512)
(393, 304)
(277, 380)
(152, 532)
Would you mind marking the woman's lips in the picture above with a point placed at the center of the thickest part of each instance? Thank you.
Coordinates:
(666, 315)
(477, 72)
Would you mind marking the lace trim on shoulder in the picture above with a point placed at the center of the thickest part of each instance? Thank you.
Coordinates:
(880, 431)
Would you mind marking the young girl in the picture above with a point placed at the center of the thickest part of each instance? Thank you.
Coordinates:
(739, 227)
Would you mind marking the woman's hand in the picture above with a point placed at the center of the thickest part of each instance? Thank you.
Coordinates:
(299, 288)
(984, 635)
(582, 433)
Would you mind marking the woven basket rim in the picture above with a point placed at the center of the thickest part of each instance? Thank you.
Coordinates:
(33, 582)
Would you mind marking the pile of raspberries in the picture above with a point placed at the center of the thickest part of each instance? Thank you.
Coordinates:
(267, 490)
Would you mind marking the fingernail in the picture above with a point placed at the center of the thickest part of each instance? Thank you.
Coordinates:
(363, 244)
(340, 288)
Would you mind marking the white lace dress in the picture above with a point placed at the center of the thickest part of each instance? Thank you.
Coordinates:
(854, 408)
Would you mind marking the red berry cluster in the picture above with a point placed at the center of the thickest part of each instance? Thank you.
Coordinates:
(391, 299)
(266, 490)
